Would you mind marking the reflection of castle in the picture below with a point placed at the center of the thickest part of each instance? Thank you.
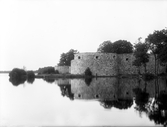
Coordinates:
(114, 88)
(65, 88)
(121, 93)
(109, 64)
(109, 88)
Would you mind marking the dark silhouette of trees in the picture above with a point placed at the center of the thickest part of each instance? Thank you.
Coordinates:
(158, 45)
(30, 77)
(119, 47)
(138, 64)
(163, 54)
(47, 70)
(155, 108)
(141, 55)
(17, 76)
(49, 79)
(141, 99)
(120, 103)
(105, 47)
(65, 58)
(158, 112)
(122, 46)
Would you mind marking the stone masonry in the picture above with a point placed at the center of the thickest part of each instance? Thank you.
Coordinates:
(109, 64)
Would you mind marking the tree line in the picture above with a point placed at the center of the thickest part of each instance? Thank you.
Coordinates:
(155, 44)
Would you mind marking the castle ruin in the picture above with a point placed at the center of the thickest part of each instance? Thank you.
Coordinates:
(110, 64)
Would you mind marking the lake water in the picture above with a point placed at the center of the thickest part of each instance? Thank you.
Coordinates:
(76, 102)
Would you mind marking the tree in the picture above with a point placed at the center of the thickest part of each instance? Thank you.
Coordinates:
(119, 47)
(30, 77)
(65, 58)
(158, 44)
(17, 76)
(122, 46)
(141, 54)
(47, 70)
(138, 64)
(105, 47)
(163, 55)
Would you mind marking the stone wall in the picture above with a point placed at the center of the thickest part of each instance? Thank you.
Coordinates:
(63, 69)
(125, 65)
(100, 64)
(109, 64)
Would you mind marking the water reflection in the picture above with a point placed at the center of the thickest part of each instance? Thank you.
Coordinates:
(119, 104)
(158, 110)
(148, 97)
(49, 79)
(141, 98)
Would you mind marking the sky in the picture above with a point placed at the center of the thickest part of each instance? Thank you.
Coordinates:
(34, 33)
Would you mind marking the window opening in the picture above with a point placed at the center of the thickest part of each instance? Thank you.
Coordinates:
(97, 96)
(127, 93)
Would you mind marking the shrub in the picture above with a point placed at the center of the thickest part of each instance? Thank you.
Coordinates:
(30, 77)
(17, 76)
(88, 72)
(47, 70)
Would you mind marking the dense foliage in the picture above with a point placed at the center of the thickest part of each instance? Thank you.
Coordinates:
(122, 46)
(159, 109)
(105, 47)
(30, 77)
(120, 103)
(65, 58)
(157, 42)
(141, 99)
(119, 47)
(19, 76)
(141, 55)
(47, 70)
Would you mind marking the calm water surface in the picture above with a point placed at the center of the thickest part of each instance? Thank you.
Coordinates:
(99, 102)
